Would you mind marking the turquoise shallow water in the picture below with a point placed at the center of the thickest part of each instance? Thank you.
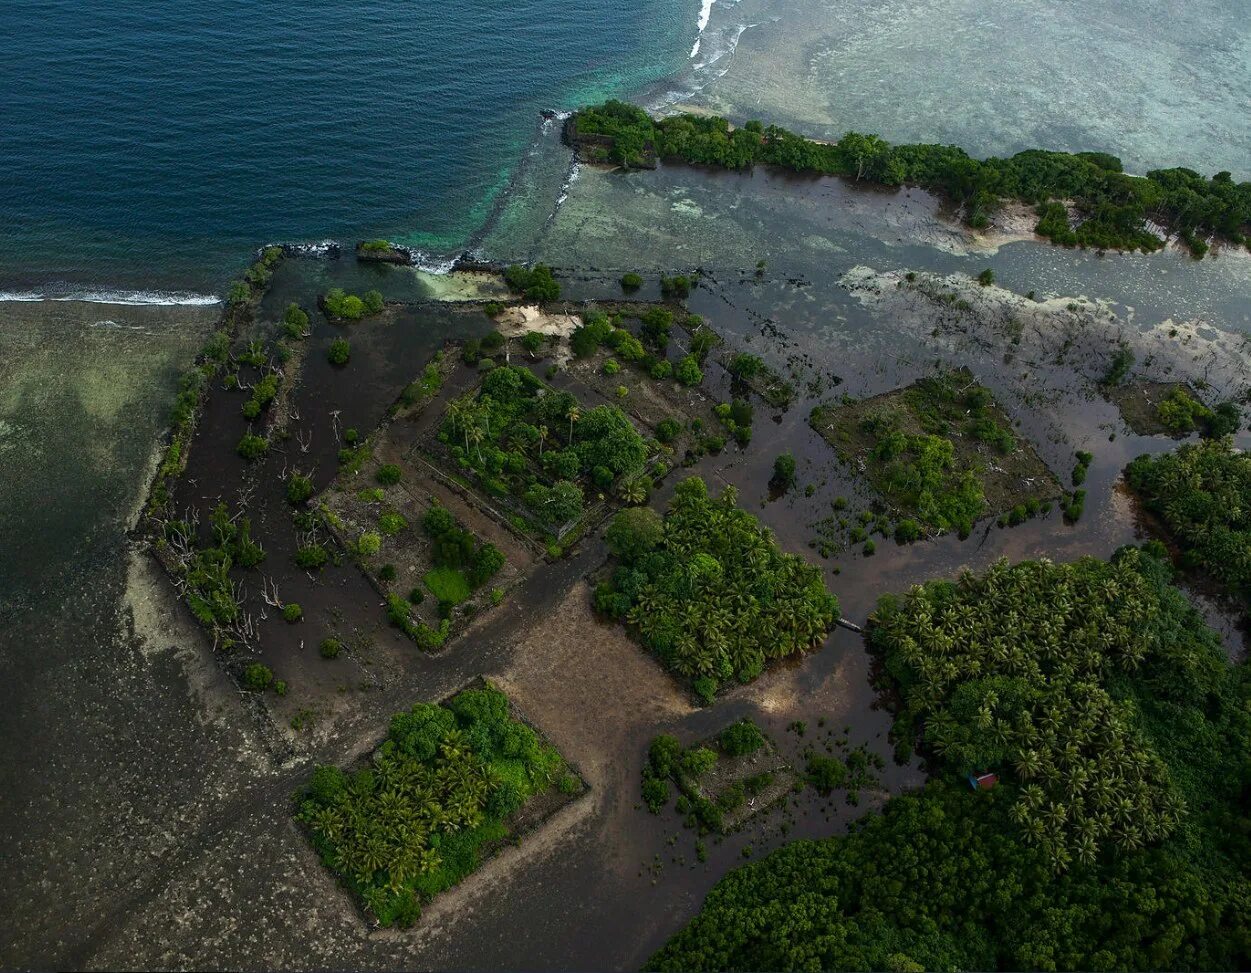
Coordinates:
(151, 145)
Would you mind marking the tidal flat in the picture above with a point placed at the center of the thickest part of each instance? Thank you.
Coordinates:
(222, 876)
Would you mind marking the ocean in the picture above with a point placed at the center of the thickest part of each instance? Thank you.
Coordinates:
(155, 146)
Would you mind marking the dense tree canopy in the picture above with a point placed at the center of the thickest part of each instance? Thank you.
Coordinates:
(1094, 685)
(710, 592)
(442, 786)
(1202, 492)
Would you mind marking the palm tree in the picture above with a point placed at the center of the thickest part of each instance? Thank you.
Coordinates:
(574, 415)
(542, 439)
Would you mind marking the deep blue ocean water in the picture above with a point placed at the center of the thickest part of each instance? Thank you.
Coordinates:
(153, 144)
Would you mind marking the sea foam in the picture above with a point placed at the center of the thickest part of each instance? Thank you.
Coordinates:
(124, 297)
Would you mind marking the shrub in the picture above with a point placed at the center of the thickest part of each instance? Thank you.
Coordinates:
(311, 557)
(698, 761)
(655, 793)
(907, 531)
(634, 533)
(372, 301)
(258, 677)
(825, 773)
(663, 753)
(667, 430)
(493, 309)
(391, 523)
(389, 474)
(252, 447)
(631, 281)
(741, 738)
(688, 371)
(291, 612)
(675, 287)
(368, 544)
(783, 472)
(532, 341)
(339, 352)
(611, 366)
(986, 277)
(299, 488)
(330, 648)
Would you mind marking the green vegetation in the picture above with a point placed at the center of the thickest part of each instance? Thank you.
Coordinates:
(716, 778)
(1202, 493)
(295, 322)
(925, 448)
(741, 738)
(631, 281)
(437, 797)
(1084, 459)
(252, 447)
(330, 648)
(349, 307)
(783, 473)
(448, 585)
(389, 474)
(1113, 206)
(709, 591)
(311, 557)
(528, 441)
(257, 677)
(339, 352)
(1113, 719)
(375, 246)
(291, 612)
(986, 277)
(263, 393)
(534, 283)
(1181, 413)
(1119, 368)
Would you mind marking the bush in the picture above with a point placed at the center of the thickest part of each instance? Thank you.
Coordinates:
(663, 753)
(311, 557)
(675, 287)
(635, 532)
(391, 523)
(532, 341)
(688, 371)
(252, 447)
(655, 793)
(907, 531)
(783, 472)
(389, 474)
(330, 648)
(257, 677)
(291, 612)
(369, 544)
(825, 773)
(741, 738)
(698, 761)
(373, 302)
(631, 281)
(339, 352)
(611, 366)
(986, 277)
(535, 283)
(299, 488)
(386, 573)
(667, 430)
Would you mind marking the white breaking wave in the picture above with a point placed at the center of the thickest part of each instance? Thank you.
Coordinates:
(431, 263)
(705, 12)
(129, 298)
